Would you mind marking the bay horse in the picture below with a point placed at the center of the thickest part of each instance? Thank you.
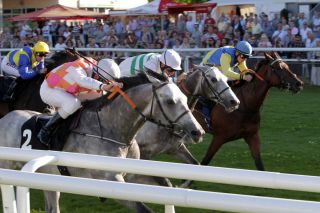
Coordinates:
(245, 122)
(27, 91)
(108, 128)
(205, 82)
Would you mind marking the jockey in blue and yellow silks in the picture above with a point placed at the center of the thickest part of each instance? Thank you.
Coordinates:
(225, 58)
(26, 62)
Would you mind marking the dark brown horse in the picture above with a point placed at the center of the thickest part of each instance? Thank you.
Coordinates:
(27, 91)
(245, 122)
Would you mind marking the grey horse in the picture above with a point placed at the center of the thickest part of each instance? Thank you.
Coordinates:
(114, 124)
(206, 82)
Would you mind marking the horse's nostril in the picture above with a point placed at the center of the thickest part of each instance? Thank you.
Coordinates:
(299, 84)
(196, 133)
(233, 102)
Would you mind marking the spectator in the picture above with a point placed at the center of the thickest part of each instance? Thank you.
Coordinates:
(267, 26)
(190, 24)
(304, 31)
(60, 43)
(69, 43)
(92, 44)
(297, 42)
(208, 22)
(301, 20)
(264, 41)
(280, 33)
(310, 42)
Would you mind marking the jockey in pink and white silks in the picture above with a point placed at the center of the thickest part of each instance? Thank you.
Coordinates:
(66, 86)
(166, 63)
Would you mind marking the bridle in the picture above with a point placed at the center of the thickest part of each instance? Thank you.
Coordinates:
(171, 125)
(277, 72)
(209, 84)
(216, 94)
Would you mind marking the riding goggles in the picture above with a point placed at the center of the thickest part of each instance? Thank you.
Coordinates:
(41, 54)
(244, 56)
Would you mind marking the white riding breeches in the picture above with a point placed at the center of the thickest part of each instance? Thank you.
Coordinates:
(66, 103)
(9, 69)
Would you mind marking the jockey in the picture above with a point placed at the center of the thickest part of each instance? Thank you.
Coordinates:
(166, 63)
(66, 86)
(225, 58)
(26, 62)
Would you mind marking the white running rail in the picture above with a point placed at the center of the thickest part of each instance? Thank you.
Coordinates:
(173, 196)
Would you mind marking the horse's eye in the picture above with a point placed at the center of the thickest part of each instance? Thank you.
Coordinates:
(170, 102)
(214, 79)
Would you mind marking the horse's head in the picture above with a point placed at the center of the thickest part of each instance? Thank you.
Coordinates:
(59, 58)
(211, 84)
(170, 109)
(278, 74)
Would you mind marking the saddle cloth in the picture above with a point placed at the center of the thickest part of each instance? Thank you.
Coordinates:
(31, 128)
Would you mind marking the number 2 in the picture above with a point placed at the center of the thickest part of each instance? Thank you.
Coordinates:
(26, 133)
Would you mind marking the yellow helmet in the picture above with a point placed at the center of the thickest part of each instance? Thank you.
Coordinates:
(41, 47)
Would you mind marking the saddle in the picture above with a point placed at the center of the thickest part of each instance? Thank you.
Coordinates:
(31, 128)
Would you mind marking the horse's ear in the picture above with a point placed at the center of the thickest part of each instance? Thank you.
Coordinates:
(268, 56)
(277, 55)
(153, 79)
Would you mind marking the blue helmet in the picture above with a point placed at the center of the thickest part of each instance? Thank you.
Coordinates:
(244, 48)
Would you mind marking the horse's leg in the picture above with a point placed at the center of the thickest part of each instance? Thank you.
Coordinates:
(215, 145)
(138, 207)
(185, 156)
(253, 142)
(51, 199)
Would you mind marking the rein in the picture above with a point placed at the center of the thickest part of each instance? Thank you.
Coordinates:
(171, 124)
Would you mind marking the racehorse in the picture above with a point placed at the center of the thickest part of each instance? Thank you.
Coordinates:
(206, 82)
(113, 126)
(245, 122)
(27, 94)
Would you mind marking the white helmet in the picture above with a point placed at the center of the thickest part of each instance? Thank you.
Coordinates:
(108, 67)
(171, 59)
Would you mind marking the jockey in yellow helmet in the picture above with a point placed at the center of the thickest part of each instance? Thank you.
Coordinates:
(26, 62)
(225, 58)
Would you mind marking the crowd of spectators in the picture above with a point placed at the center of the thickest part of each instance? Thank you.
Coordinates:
(181, 31)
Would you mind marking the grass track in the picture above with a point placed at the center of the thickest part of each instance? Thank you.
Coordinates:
(290, 132)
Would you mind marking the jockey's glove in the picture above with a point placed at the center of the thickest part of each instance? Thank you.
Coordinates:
(39, 67)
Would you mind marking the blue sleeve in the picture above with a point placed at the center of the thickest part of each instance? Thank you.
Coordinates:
(24, 68)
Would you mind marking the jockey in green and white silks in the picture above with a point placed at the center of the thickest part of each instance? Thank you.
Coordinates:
(228, 57)
(166, 63)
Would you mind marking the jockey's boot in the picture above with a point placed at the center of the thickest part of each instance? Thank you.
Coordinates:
(47, 130)
(9, 96)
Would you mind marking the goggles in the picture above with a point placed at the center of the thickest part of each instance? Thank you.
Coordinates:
(169, 69)
(41, 54)
(244, 56)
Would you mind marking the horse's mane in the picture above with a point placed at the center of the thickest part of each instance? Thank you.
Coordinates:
(141, 78)
(260, 64)
(58, 58)
(264, 61)
(128, 82)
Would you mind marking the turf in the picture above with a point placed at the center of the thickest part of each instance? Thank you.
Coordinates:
(290, 144)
